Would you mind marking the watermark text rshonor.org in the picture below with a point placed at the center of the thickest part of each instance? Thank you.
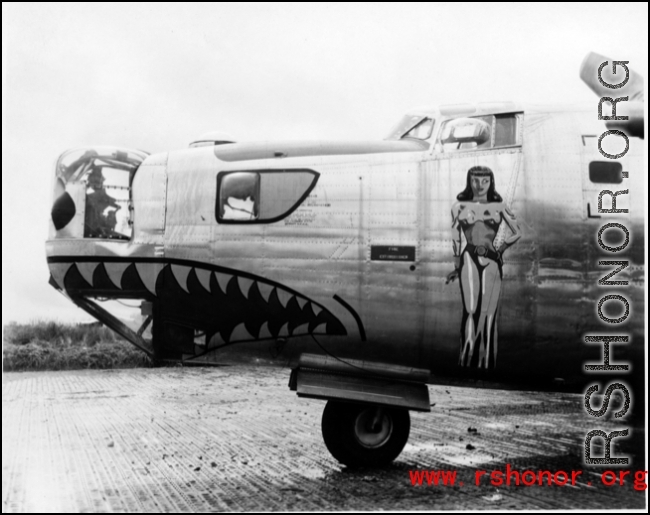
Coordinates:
(607, 340)
(513, 477)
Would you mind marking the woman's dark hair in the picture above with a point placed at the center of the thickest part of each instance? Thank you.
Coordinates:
(481, 171)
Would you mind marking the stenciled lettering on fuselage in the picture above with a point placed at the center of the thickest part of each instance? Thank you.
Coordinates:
(392, 253)
(229, 305)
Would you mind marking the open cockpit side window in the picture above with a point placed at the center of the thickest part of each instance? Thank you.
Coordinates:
(239, 195)
(480, 133)
(261, 196)
(92, 193)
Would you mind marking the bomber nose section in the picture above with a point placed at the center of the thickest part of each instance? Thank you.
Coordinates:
(92, 193)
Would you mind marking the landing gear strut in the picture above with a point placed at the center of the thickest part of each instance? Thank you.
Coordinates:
(361, 435)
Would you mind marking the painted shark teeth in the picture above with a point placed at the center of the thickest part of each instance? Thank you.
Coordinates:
(223, 280)
(283, 296)
(263, 311)
(301, 329)
(240, 333)
(203, 276)
(264, 332)
(149, 273)
(115, 272)
(284, 330)
(301, 301)
(58, 271)
(245, 285)
(180, 273)
(320, 329)
(87, 271)
(216, 340)
(265, 290)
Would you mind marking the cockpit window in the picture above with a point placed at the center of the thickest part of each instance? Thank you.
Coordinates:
(466, 133)
(261, 196)
(505, 130)
(480, 132)
(422, 130)
(107, 197)
(412, 126)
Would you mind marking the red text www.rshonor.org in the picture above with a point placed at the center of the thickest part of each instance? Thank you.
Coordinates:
(512, 477)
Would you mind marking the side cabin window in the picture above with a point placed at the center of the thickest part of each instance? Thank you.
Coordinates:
(261, 196)
(606, 172)
(480, 133)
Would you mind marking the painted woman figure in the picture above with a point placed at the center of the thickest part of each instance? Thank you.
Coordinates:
(477, 215)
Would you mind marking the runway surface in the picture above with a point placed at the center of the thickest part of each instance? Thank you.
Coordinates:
(236, 438)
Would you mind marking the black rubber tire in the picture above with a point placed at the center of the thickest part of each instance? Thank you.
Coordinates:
(349, 438)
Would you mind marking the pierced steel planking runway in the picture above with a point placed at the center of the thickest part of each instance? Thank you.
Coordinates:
(235, 438)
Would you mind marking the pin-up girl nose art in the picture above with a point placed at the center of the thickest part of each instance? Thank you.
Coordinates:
(477, 216)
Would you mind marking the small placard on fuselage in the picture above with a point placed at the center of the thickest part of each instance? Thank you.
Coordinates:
(392, 253)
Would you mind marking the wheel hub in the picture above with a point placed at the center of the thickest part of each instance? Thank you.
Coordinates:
(373, 428)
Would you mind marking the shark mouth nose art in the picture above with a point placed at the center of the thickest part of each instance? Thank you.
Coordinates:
(229, 305)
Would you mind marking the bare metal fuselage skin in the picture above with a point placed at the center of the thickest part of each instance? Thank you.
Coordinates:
(315, 278)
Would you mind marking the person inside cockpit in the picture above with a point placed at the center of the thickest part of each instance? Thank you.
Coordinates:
(100, 219)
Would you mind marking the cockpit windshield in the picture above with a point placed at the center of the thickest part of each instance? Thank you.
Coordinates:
(93, 186)
(412, 126)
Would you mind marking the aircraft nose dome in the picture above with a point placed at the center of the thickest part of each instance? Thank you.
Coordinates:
(212, 138)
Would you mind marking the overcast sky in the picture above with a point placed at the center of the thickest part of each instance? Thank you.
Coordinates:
(153, 76)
